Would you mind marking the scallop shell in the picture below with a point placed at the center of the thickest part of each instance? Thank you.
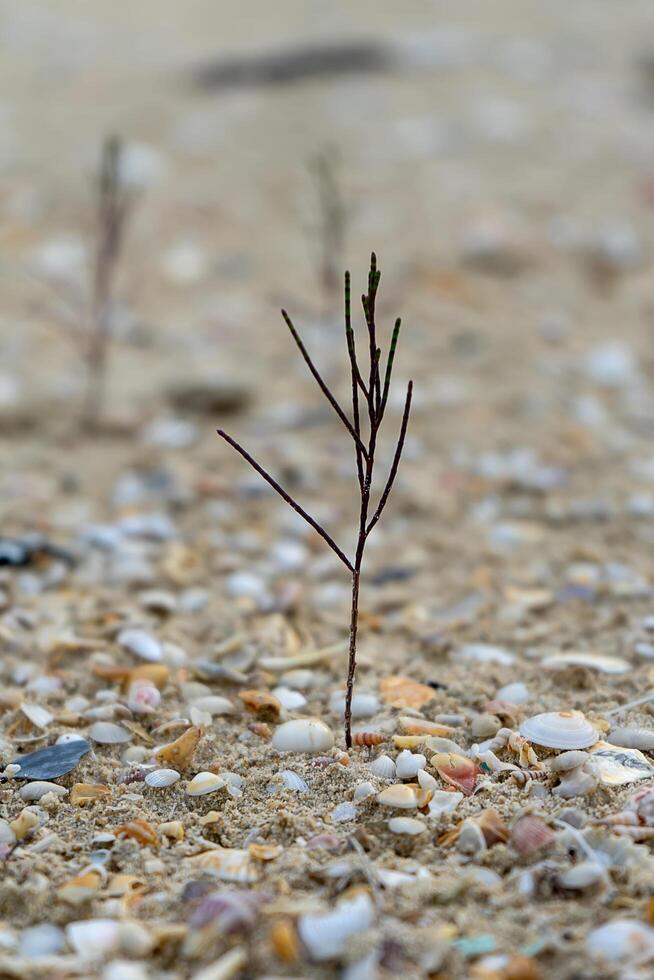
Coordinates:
(594, 661)
(326, 935)
(632, 738)
(108, 733)
(303, 735)
(383, 767)
(406, 825)
(618, 766)
(408, 764)
(560, 730)
(292, 781)
(161, 778)
(530, 835)
(204, 783)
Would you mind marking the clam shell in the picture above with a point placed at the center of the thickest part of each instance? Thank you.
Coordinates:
(530, 835)
(582, 875)
(290, 700)
(515, 693)
(303, 735)
(326, 935)
(569, 760)
(408, 764)
(204, 783)
(632, 738)
(619, 766)
(161, 778)
(363, 705)
(594, 661)
(363, 791)
(383, 767)
(559, 730)
(622, 941)
(406, 825)
(108, 733)
(141, 643)
(400, 796)
(35, 790)
(292, 781)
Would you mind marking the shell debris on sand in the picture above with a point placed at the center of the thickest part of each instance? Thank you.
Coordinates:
(303, 735)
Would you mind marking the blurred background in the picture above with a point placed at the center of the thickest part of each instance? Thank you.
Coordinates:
(499, 158)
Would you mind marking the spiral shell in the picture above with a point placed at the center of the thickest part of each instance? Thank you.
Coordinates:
(368, 738)
(560, 730)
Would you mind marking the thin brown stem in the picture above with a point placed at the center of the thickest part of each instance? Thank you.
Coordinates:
(396, 460)
(287, 497)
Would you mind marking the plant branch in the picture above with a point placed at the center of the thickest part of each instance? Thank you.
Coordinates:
(351, 349)
(287, 497)
(396, 461)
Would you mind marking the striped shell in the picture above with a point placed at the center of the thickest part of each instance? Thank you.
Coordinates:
(292, 781)
(530, 834)
(383, 767)
(161, 778)
(560, 730)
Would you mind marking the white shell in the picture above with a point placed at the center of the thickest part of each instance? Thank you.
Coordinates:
(289, 699)
(291, 780)
(213, 704)
(622, 941)
(107, 733)
(582, 875)
(143, 697)
(383, 767)
(406, 825)
(39, 788)
(363, 791)
(37, 715)
(93, 938)
(233, 782)
(427, 781)
(141, 643)
(443, 802)
(228, 864)
(560, 730)
(203, 783)
(577, 782)
(363, 705)
(161, 778)
(516, 693)
(484, 653)
(303, 735)
(343, 812)
(569, 760)
(594, 661)
(70, 737)
(618, 766)
(632, 738)
(408, 764)
(326, 935)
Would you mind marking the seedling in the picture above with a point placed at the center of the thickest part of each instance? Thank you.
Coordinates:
(370, 391)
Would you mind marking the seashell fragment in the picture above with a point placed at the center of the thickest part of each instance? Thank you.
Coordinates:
(619, 766)
(421, 726)
(363, 791)
(39, 716)
(80, 889)
(83, 793)
(399, 795)
(204, 783)
(161, 778)
(623, 941)
(292, 781)
(484, 653)
(383, 767)
(515, 693)
(443, 802)
(35, 790)
(594, 661)
(228, 864)
(139, 830)
(172, 829)
(406, 825)
(457, 770)
(25, 823)
(179, 753)
(143, 697)
(326, 935)
(402, 692)
(53, 761)
(530, 835)
(284, 941)
(577, 782)
(141, 643)
(569, 760)
(408, 764)
(93, 938)
(289, 699)
(632, 738)
(363, 705)
(214, 704)
(262, 703)
(586, 874)
(108, 733)
(303, 735)
(560, 730)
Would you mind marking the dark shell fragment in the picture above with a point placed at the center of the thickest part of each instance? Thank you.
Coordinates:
(55, 760)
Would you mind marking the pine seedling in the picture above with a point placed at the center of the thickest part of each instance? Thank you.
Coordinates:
(369, 393)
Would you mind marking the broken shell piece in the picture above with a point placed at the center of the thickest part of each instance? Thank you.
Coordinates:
(172, 829)
(577, 782)
(560, 730)
(179, 753)
(107, 733)
(443, 801)
(569, 760)
(204, 783)
(586, 874)
(420, 726)
(37, 715)
(143, 697)
(484, 653)
(530, 835)
(81, 888)
(457, 770)
(399, 795)
(406, 825)
(213, 704)
(622, 941)
(141, 643)
(161, 778)
(363, 791)
(303, 735)
(594, 661)
(228, 864)
(492, 826)
(632, 738)
(383, 767)
(93, 938)
(82, 793)
(139, 830)
(35, 790)
(262, 703)
(363, 705)
(292, 781)
(408, 764)
(25, 823)
(618, 766)
(402, 692)
(326, 935)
